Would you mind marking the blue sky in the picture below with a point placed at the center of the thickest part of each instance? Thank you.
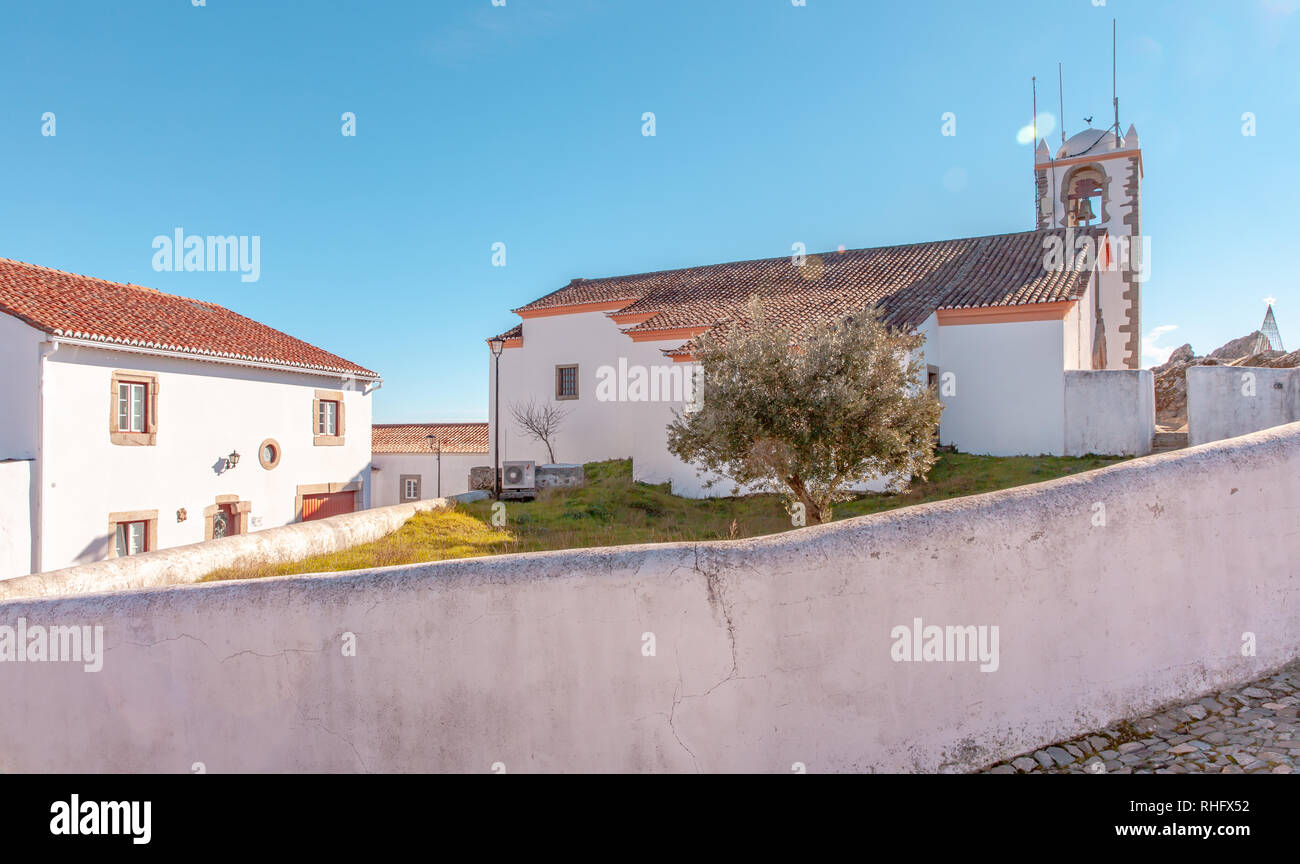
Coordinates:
(522, 124)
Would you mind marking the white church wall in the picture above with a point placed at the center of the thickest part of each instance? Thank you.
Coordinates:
(1114, 315)
(1007, 393)
(594, 429)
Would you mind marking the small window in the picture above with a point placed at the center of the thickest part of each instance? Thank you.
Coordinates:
(327, 421)
(410, 487)
(269, 453)
(132, 538)
(566, 382)
(133, 412)
(131, 399)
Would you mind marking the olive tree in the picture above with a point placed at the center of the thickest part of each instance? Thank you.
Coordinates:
(808, 414)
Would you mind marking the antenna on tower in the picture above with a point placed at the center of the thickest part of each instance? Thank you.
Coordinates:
(1114, 72)
(1035, 83)
(1060, 89)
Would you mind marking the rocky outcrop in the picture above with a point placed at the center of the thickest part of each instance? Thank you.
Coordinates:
(1171, 376)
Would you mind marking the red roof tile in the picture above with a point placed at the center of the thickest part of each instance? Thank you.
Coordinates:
(907, 283)
(581, 291)
(412, 437)
(82, 307)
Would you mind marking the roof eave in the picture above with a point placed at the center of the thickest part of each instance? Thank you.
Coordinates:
(177, 352)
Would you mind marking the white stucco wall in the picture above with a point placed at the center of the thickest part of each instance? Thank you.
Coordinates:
(20, 348)
(1225, 401)
(594, 430)
(1114, 312)
(205, 410)
(768, 651)
(1109, 412)
(16, 478)
(1010, 388)
(388, 468)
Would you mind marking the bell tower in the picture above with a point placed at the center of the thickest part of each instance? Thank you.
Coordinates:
(1095, 179)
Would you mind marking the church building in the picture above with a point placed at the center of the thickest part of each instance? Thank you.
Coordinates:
(1031, 338)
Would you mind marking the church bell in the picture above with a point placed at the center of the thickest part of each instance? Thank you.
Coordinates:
(1083, 212)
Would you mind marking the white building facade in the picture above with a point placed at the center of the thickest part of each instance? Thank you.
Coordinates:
(151, 421)
(424, 461)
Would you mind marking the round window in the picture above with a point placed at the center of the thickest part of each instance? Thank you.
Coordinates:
(269, 453)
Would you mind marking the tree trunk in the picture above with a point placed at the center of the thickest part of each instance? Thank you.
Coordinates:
(815, 514)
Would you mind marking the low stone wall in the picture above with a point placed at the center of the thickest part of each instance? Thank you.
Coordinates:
(185, 564)
(1113, 593)
(1110, 413)
(1226, 401)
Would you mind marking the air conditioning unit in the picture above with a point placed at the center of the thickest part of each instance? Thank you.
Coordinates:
(519, 476)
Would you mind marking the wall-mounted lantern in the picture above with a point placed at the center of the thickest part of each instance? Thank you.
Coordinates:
(233, 459)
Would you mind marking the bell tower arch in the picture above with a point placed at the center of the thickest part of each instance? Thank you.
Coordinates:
(1095, 179)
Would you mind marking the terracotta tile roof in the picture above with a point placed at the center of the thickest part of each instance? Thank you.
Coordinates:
(411, 437)
(581, 291)
(908, 283)
(515, 332)
(82, 307)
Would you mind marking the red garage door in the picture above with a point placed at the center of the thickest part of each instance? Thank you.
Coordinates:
(327, 504)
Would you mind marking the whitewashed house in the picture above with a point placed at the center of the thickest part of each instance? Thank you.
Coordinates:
(144, 420)
(420, 461)
(1032, 338)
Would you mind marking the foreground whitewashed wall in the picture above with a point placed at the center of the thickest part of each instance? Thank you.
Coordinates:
(15, 517)
(1226, 401)
(767, 652)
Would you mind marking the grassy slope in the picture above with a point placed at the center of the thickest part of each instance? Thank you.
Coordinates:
(612, 510)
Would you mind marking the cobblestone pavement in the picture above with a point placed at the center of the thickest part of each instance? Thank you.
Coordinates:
(1246, 730)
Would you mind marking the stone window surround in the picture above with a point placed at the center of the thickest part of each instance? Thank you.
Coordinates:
(318, 439)
(401, 487)
(261, 453)
(150, 531)
(149, 437)
(558, 369)
(326, 489)
(241, 511)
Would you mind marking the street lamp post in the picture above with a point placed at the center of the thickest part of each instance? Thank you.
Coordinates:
(496, 344)
(432, 438)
